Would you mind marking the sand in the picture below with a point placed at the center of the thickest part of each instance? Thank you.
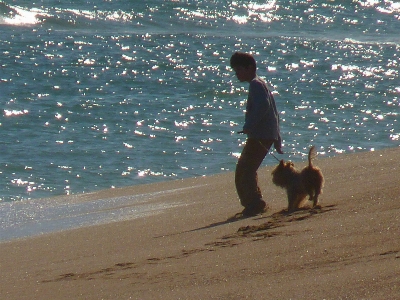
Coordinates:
(348, 249)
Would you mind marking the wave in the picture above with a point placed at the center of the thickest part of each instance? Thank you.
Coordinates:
(333, 21)
(58, 17)
(17, 16)
(132, 20)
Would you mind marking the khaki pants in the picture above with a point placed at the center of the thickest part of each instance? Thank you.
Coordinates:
(246, 179)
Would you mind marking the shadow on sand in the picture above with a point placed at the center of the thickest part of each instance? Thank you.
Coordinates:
(273, 220)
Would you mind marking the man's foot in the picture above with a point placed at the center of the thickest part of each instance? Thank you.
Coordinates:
(255, 209)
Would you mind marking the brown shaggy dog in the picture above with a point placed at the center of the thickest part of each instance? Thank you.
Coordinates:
(299, 184)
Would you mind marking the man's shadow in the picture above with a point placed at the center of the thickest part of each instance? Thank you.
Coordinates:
(236, 217)
(300, 214)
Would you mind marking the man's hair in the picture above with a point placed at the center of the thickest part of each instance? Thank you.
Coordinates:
(241, 59)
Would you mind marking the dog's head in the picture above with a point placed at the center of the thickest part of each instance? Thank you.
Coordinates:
(281, 173)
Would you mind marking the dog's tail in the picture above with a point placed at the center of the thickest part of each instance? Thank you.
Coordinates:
(311, 154)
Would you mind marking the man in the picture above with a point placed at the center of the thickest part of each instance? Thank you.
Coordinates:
(262, 129)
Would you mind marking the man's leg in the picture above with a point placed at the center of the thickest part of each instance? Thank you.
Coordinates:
(246, 171)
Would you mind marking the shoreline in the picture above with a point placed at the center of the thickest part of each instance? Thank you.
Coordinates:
(104, 206)
(52, 215)
(347, 249)
(269, 161)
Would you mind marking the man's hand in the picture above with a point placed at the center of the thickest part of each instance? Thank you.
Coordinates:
(279, 150)
(243, 131)
(278, 146)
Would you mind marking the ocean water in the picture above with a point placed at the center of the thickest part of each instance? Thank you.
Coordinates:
(103, 94)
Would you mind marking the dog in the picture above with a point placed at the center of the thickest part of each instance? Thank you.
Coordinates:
(299, 184)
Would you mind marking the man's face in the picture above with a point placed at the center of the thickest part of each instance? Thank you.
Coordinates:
(243, 73)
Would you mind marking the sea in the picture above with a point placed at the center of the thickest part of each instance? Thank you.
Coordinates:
(104, 94)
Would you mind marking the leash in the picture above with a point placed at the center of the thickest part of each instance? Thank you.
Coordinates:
(269, 152)
(274, 157)
(265, 148)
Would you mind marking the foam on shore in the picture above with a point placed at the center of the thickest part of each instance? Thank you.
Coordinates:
(40, 216)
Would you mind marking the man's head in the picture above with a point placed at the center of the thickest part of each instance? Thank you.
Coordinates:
(244, 65)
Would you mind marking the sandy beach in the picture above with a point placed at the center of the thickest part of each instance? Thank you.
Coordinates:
(347, 249)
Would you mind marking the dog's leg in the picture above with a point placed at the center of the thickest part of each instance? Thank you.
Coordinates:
(294, 200)
(317, 192)
(311, 194)
(291, 201)
(315, 200)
